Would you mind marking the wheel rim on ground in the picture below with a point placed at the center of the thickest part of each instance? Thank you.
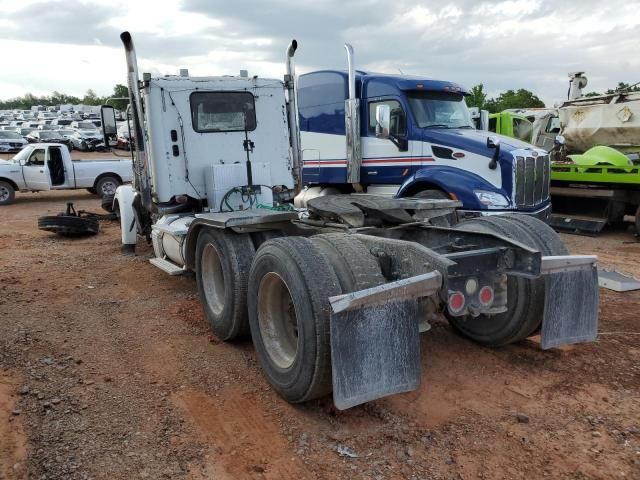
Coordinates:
(213, 279)
(4, 193)
(277, 320)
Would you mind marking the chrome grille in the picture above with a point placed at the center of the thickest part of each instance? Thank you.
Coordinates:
(531, 180)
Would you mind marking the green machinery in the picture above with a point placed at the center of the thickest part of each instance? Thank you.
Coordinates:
(589, 190)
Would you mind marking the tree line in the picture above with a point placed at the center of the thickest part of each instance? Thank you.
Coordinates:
(523, 98)
(56, 98)
(520, 98)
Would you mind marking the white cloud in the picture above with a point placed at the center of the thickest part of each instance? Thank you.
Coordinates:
(504, 44)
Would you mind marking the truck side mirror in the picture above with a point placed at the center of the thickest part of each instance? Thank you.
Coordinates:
(383, 121)
(109, 127)
(494, 142)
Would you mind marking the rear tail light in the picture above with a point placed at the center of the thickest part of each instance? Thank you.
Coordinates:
(456, 302)
(485, 296)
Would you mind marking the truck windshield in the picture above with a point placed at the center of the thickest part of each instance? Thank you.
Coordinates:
(433, 109)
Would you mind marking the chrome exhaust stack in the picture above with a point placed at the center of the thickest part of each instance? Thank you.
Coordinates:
(352, 123)
(140, 164)
(292, 110)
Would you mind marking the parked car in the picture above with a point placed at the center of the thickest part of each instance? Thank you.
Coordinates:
(62, 122)
(11, 141)
(47, 127)
(66, 132)
(123, 140)
(82, 125)
(49, 167)
(23, 131)
(44, 136)
(86, 140)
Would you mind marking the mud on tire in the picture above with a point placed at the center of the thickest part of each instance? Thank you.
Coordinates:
(525, 306)
(354, 266)
(223, 260)
(289, 313)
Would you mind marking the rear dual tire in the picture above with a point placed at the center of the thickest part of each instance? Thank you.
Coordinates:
(290, 283)
(525, 307)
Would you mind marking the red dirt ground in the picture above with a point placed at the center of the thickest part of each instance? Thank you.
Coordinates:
(108, 371)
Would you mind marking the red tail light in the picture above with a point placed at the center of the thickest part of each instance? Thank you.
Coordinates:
(456, 302)
(486, 296)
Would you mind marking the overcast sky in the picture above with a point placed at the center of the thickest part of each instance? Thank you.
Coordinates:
(73, 45)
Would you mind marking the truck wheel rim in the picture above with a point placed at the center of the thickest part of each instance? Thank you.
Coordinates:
(109, 188)
(213, 279)
(4, 193)
(277, 320)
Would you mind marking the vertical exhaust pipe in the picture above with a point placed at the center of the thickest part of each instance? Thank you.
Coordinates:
(140, 165)
(352, 124)
(292, 110)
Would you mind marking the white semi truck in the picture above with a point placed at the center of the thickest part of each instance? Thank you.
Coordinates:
(334, 295)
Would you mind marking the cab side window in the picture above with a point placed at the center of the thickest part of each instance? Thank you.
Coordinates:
(37, 157)
(398, 127)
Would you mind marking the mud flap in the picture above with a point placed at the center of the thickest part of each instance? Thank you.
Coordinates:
(375, 352)
(571, 300)
(375, 343)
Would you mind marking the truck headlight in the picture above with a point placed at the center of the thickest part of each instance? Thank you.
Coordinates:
(491, 199)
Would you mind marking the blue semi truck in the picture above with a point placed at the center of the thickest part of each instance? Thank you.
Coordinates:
(408, 136)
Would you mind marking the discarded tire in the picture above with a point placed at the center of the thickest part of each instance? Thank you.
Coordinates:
(223, 260)
(69, 225)
(289, 313)
(525, 306)
(107, 202)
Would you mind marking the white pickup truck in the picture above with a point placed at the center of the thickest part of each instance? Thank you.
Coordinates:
(48, 166)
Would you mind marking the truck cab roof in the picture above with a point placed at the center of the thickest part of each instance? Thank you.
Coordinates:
(227, 82)
(379, 84)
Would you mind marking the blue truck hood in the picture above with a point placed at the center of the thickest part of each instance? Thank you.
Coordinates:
(471, 140)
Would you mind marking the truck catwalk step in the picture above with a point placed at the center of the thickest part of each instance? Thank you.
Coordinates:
(167, 266)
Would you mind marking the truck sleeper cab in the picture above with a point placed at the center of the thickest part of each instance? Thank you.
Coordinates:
(432, 145)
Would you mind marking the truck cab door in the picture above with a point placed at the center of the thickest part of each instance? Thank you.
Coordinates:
(387, 160)
(57, 169)
(35, 171)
